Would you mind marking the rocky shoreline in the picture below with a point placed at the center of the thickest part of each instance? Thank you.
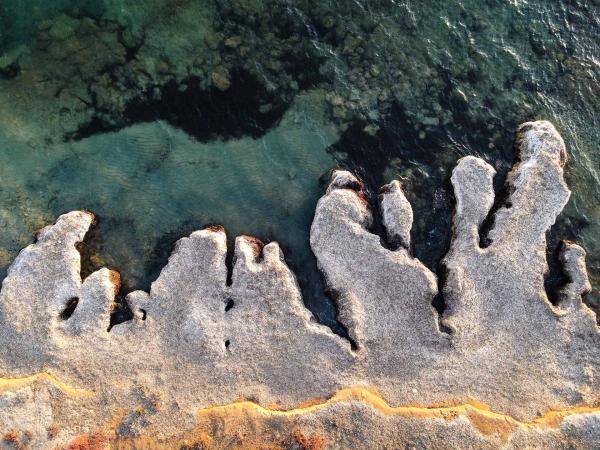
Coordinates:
(208, 362)
(222, 70)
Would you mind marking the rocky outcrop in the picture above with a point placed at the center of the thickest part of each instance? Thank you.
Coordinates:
(220, 363)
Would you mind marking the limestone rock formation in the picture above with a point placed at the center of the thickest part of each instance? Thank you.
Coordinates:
(217, 361)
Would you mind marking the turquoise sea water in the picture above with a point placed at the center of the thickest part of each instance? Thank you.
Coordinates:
(163, 117)
(150, 184)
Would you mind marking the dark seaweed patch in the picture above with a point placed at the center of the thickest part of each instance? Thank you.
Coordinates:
(245, 109)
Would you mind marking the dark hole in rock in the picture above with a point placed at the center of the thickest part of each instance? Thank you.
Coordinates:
(229, 256)
(69, 308)
(227, 343)
(230, 303)
(439, 302)
(144, 314)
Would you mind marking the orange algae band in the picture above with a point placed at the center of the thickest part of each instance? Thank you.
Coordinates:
(480, 415)
(12, 383)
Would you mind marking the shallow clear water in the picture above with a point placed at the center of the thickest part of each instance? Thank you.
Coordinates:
(150, 184)
(163, 117)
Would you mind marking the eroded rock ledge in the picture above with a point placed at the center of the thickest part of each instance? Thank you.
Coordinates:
(213, 364)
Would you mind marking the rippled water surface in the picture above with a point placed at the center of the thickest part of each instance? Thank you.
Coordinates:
(163, 117)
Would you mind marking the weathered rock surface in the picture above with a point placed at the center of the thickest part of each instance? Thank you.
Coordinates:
(220, 364)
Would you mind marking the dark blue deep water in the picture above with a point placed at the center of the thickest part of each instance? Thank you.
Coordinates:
(166, 116)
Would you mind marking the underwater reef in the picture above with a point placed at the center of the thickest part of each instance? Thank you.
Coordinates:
(221, 355)
(91, 67)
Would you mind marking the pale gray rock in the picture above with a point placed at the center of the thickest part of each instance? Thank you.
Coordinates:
(502, 366)
(396, 213)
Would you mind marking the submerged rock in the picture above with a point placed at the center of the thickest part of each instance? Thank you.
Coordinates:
(217, 361)
(221, 78)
